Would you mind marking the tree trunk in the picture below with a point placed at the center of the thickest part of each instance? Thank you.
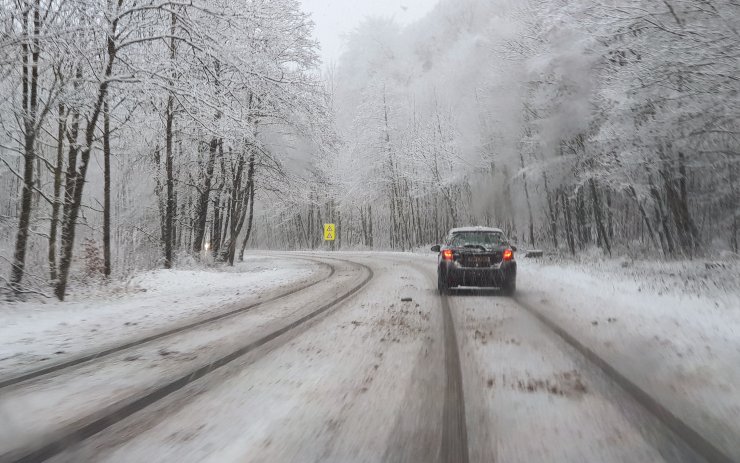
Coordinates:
(664, 231)
(551, 204)
(600, 230)
(419, 231)
(678, 204)
(106, 190)
(250, 221)
(609, 216)
(72, 202)
(392, 230)
(61, 129)
(204, 192)
(735, 225)
(568, 223)
(30, 106)
(451, 207)
(370, 225)
(158, 189)
(170, 205)
(529, 204)
(338, 221)
(363, 224)
(216, 228)
(170, 199)
(583, 235)
(237, 209)
(249, 197)
(645, 217)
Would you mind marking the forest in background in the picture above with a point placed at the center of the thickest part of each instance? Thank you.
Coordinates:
(571, 125)
(137, 134)
(132, 133)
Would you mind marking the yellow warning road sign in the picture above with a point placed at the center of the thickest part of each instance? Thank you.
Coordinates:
(330, 232)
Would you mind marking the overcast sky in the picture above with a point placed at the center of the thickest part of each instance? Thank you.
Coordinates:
(335, 18)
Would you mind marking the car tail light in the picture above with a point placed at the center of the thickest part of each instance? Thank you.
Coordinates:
(447, 254)
(508, 254)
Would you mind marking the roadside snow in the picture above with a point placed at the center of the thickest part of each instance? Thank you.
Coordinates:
(34, 334)
(672, 328)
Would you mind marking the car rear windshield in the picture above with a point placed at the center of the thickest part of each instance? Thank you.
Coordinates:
(486, 239)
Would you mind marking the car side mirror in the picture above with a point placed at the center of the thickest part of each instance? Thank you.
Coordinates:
(513, 248)
(436, 248)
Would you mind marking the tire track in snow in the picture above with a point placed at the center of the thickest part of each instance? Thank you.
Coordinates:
(454, 429)
(136, 343)
(454, 444)
(681, 429)
(117, 412)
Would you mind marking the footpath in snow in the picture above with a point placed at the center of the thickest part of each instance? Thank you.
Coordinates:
(35, 334)
(671, 328)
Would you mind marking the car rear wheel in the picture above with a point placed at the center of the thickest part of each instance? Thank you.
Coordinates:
(509, 287)
(442, 285)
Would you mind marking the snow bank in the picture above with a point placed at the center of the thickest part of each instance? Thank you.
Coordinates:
(34, 333)
(672, 328)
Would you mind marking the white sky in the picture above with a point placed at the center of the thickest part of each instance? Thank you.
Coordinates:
(335, 18)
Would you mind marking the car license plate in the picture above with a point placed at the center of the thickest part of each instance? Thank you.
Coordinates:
(479, 261)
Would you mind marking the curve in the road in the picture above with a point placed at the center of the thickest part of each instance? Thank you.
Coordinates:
(138, 342)
(690, 436)
(115, 414)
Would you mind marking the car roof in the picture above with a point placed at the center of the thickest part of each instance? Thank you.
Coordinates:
(475, 229)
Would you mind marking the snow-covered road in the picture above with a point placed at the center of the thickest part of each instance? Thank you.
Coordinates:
(345, 370)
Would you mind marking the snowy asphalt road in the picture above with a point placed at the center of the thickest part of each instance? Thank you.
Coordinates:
(343, 370)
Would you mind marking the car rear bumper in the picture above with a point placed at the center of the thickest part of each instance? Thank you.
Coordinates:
(498, 276)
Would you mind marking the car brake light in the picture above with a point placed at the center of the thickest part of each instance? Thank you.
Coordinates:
(447, 254)
(508, 254)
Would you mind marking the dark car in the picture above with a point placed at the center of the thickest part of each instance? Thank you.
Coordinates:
(476, 256)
